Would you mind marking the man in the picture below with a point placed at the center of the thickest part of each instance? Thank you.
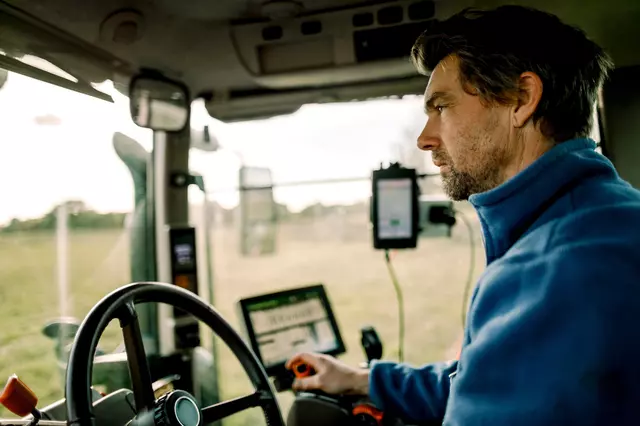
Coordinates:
(552, 336)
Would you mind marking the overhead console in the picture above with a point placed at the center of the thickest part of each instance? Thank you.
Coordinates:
(354, 53)
(336, 47)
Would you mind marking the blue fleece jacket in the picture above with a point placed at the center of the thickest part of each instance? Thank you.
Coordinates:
(553, 336)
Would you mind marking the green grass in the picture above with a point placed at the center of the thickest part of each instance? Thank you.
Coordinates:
(432, 278)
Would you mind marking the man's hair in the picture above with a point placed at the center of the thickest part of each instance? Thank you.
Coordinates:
(495, 47)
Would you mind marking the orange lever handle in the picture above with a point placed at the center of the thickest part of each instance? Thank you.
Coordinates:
(18, 398)
(301, 370)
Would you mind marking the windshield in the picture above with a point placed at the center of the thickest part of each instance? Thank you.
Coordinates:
(66, 221)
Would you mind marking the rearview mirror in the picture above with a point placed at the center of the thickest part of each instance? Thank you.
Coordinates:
(158, 103)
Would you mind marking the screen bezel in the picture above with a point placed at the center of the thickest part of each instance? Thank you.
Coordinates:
(395, 243)
(278, 369)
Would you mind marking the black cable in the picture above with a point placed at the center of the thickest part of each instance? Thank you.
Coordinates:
(396, 285)
(472, 266)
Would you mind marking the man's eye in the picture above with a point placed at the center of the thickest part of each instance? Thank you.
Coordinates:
(439, 108)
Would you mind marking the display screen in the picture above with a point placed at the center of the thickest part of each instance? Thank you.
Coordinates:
(183, 245)
(290, 323)
(184, 254)
(394, 208)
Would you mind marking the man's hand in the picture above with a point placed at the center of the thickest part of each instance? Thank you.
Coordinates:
(332, 376)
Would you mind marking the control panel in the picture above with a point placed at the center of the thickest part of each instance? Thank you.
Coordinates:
(184, 273)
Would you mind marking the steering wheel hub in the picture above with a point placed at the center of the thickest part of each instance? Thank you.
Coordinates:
(177, 408)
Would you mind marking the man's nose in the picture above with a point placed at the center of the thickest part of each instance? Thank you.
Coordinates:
(428, 139)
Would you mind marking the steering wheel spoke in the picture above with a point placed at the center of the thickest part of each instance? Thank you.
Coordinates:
(230, 407)
(136, 357)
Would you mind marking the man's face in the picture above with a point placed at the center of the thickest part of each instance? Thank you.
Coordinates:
(468, 138)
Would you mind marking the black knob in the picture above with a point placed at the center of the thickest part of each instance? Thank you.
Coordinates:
(177, 408)
(371, 343)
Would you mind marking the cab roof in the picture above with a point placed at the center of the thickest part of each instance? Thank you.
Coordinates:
(258, 58)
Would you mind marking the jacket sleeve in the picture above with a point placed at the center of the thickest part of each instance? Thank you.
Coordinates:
(418, 394)
(554, 339)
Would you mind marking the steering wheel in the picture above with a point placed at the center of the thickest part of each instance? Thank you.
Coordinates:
(178, 408)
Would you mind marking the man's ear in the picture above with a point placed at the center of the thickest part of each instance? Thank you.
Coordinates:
(530, 86)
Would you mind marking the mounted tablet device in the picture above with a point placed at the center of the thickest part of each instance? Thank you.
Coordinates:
(279, 325)
(394, 208)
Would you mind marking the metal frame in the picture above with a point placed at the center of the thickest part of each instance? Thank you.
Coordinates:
(14, 65)
(171, 202)
(45, 41)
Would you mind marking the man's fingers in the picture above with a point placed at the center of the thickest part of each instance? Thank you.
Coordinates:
(293, 360)
(307, 383)
(306, 358)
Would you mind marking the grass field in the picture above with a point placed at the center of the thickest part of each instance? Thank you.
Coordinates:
(432, 278)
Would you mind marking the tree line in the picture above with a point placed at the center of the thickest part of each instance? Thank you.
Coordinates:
(81, 217)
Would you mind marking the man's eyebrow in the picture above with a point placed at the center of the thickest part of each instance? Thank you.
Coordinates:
(429, 103)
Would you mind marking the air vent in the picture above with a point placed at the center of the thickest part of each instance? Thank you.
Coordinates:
(272, 33)
(390, 15)
(388, 42)
(362, 19)
(311, 27)
(421, 10)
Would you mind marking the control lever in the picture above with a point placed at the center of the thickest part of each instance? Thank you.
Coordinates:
(20, 400)
(283, 381)
(371, 343)
(364, 413)
(301, 370)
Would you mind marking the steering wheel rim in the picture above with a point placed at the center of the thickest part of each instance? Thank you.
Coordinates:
(120, 304)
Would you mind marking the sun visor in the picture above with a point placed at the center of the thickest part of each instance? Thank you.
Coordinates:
(252, 105)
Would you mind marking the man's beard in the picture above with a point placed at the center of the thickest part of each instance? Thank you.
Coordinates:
(460, 185)
(485, 162)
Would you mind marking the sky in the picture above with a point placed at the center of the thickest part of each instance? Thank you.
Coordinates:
(56, 145)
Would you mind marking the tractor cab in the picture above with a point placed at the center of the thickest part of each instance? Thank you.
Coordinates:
(250, 167)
